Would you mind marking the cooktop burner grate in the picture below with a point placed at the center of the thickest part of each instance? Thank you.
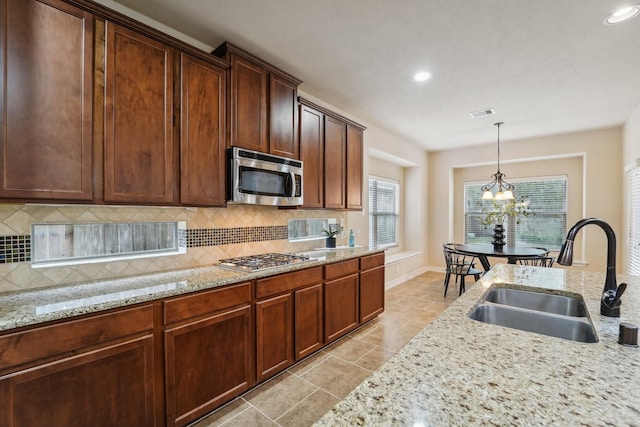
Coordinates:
(262, 261)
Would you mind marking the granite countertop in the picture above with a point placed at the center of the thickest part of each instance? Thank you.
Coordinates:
(458, 371)
(25, 308)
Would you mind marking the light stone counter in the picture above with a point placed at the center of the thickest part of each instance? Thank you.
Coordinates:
(25, 308)
(462, 372)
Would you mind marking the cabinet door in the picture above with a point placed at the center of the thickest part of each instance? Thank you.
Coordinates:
(274, 335)
(139, 149)
(207, 363)
(111, 386)
(46, 57)
(312, 155)
(371, 293)
(202, 133)
(283, 117)
(354, 168)
(248, 105)
(334, 163)
(340, 307)
(308, 320)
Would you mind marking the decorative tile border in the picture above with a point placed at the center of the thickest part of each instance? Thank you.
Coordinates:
(227, 236)
(18, 248)
(15, 249)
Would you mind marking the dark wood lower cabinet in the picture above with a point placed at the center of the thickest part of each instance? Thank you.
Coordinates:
(340, 307)
(97, 371)
(208, 348)
(206, 364)
(371, 293)
(308, 320)
(105, 387)
(274, 335)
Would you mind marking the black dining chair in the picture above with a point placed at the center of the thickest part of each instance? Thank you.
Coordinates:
(539, 261)
(459, 264)
(542, 260)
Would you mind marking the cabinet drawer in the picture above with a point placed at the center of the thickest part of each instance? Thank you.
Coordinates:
(206, 302)
(339, 269)
(288, 282)
(371, 261)
(72, 335)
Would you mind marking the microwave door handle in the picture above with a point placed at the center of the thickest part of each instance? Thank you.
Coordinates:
(293, 184)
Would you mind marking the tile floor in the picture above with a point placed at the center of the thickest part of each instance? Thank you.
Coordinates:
(303, 393)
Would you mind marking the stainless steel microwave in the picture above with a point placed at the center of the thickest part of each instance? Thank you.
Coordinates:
(263, 179)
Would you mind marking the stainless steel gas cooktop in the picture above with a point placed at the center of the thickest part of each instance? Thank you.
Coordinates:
(262, 261)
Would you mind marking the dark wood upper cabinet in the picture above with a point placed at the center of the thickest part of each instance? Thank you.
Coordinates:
(335, 166)
(202, 132)
(139, 149)
(331, 147)
(263, 104)
(354, 167)
(283, 117)
(46, 73)
(249, 105)
(312, 155)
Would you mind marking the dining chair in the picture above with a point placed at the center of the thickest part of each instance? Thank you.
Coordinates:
(539, 261)
(459, 264)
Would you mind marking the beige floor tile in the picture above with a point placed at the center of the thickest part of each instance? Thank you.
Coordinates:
(350, 349)
(308, 363)
(278, 395)
(223, 414)
(251, 417)
(364, 330)
(375, 358)
(309, 410)
(388, 338)
(336, 376)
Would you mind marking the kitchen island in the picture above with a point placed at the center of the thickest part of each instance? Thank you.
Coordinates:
(462, 372)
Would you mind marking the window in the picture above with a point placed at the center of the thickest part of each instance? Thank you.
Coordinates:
(633, 177)
(384, 209)
(544, 227)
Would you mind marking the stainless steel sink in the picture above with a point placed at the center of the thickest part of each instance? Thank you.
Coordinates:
(542, 313)
(569, 328)
(549, 303)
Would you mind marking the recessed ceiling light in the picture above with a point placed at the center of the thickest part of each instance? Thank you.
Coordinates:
(422, 76)
(623, 14)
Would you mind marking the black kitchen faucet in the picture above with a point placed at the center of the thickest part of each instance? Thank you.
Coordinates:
(610, 301)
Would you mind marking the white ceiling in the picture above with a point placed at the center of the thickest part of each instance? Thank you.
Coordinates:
(545, 66)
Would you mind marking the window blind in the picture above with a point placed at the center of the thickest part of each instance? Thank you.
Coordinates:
(544, 227)
(633, 177)
(383, 212)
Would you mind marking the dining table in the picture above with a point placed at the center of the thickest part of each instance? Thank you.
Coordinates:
(485, 250)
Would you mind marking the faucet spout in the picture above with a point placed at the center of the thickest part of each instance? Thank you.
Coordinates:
(610, 302)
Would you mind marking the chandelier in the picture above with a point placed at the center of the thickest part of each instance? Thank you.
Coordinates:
(504, 190)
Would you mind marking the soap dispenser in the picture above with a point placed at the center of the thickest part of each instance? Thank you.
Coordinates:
(352, 239)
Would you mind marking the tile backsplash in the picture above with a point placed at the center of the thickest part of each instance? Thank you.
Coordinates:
(212, 234)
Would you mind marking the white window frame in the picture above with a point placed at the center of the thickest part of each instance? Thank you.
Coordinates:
(633, 185)
(510, 225)
(374, 241)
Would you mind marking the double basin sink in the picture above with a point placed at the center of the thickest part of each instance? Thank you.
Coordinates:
(561, 316)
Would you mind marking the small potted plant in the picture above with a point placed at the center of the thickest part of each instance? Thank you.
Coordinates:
(334, 229)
